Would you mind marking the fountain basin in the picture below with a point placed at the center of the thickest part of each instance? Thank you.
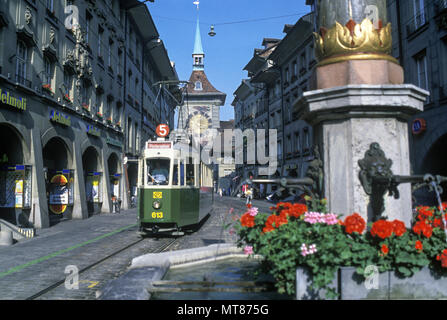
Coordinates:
(150, 268)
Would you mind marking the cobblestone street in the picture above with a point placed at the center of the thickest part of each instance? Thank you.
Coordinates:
(30, 266)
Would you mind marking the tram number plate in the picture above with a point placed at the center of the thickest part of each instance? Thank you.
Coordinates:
(157, 215)
(157, 195)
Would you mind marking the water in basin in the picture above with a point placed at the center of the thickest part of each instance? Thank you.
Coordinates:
(227, 270)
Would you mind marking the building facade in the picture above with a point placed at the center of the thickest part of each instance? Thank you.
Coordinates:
(420, 44)
(64, 107)
(278, 75)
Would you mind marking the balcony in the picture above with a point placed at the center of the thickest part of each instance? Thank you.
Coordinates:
(23, 81)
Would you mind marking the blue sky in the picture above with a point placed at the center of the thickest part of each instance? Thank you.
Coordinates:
(229, 51)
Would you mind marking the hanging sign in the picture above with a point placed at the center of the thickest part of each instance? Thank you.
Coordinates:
(418, 126)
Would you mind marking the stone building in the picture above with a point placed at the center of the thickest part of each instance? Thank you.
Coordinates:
(64, 105)
(226, 169)
(420, 45)
(278, 74)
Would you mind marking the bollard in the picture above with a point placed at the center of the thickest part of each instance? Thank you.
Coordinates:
(6, 238)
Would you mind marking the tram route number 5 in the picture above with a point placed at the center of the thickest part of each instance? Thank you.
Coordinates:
(157, 215)
(162, 130)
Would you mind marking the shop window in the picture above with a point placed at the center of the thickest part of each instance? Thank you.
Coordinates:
(15, 191)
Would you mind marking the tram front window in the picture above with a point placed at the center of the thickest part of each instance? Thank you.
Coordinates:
(158, 171)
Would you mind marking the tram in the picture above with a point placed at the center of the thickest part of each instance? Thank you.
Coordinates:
(175, 188)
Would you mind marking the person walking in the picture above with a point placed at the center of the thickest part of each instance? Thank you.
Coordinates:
(249, 194)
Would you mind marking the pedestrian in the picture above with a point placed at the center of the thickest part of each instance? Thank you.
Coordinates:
(249, 194)
(220, 192)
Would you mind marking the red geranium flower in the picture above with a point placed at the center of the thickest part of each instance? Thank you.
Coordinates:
(247, 220)
(281, 219)
(425, 212)
(298, 209)
(382, 228)
(354, 223)
(269, 224)
(443, 258)
(418, 245)
(384, 249)
(424, 228)
(437, 223)
(399, 228)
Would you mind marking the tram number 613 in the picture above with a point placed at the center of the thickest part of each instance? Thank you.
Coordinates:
(157, 215)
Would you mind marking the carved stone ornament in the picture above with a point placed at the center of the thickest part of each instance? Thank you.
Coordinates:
(52, 35)
(377, 178)
(374, 164)
(28, 16)
(315, 172)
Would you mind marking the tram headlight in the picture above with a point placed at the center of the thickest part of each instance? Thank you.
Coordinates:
(156, 204)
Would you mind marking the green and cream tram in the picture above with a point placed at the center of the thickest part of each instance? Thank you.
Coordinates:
(175, 189)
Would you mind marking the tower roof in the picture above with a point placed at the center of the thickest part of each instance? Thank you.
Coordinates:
(198, 49)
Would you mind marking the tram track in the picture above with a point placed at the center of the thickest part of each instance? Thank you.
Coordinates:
(161, 248)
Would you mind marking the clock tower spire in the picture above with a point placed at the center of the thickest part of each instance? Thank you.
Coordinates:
(198, 55)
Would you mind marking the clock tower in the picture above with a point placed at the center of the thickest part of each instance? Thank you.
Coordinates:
(200, 112)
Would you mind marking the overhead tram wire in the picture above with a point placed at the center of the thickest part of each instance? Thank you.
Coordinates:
(231, 22)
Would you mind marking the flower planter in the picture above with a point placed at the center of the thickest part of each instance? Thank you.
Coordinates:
(304, 291)
(422, 285)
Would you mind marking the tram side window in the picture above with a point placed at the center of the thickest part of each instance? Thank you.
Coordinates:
(157, 171)
(175, 174)
(190, 173)
(182, 174)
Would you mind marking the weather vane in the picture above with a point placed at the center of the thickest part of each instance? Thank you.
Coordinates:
(197, 2)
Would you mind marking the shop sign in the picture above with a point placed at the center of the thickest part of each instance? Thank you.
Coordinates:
(114, 142)
(60, 118)
(8, 99)
(91, 130)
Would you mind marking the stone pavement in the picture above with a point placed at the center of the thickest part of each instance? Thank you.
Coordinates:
(33, 264)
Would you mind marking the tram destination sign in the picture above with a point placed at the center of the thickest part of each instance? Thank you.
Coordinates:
(159, 145)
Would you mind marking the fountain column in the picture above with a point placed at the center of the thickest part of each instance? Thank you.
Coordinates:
(358, 98)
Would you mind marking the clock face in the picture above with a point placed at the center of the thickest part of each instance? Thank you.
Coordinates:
(199, 122)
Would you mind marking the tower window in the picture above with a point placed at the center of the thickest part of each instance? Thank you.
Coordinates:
(198, 60)
(198, 85)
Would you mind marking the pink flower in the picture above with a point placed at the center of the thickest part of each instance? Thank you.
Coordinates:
(253, 211)
(248, 250)
(331, 219)
(306, 251)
